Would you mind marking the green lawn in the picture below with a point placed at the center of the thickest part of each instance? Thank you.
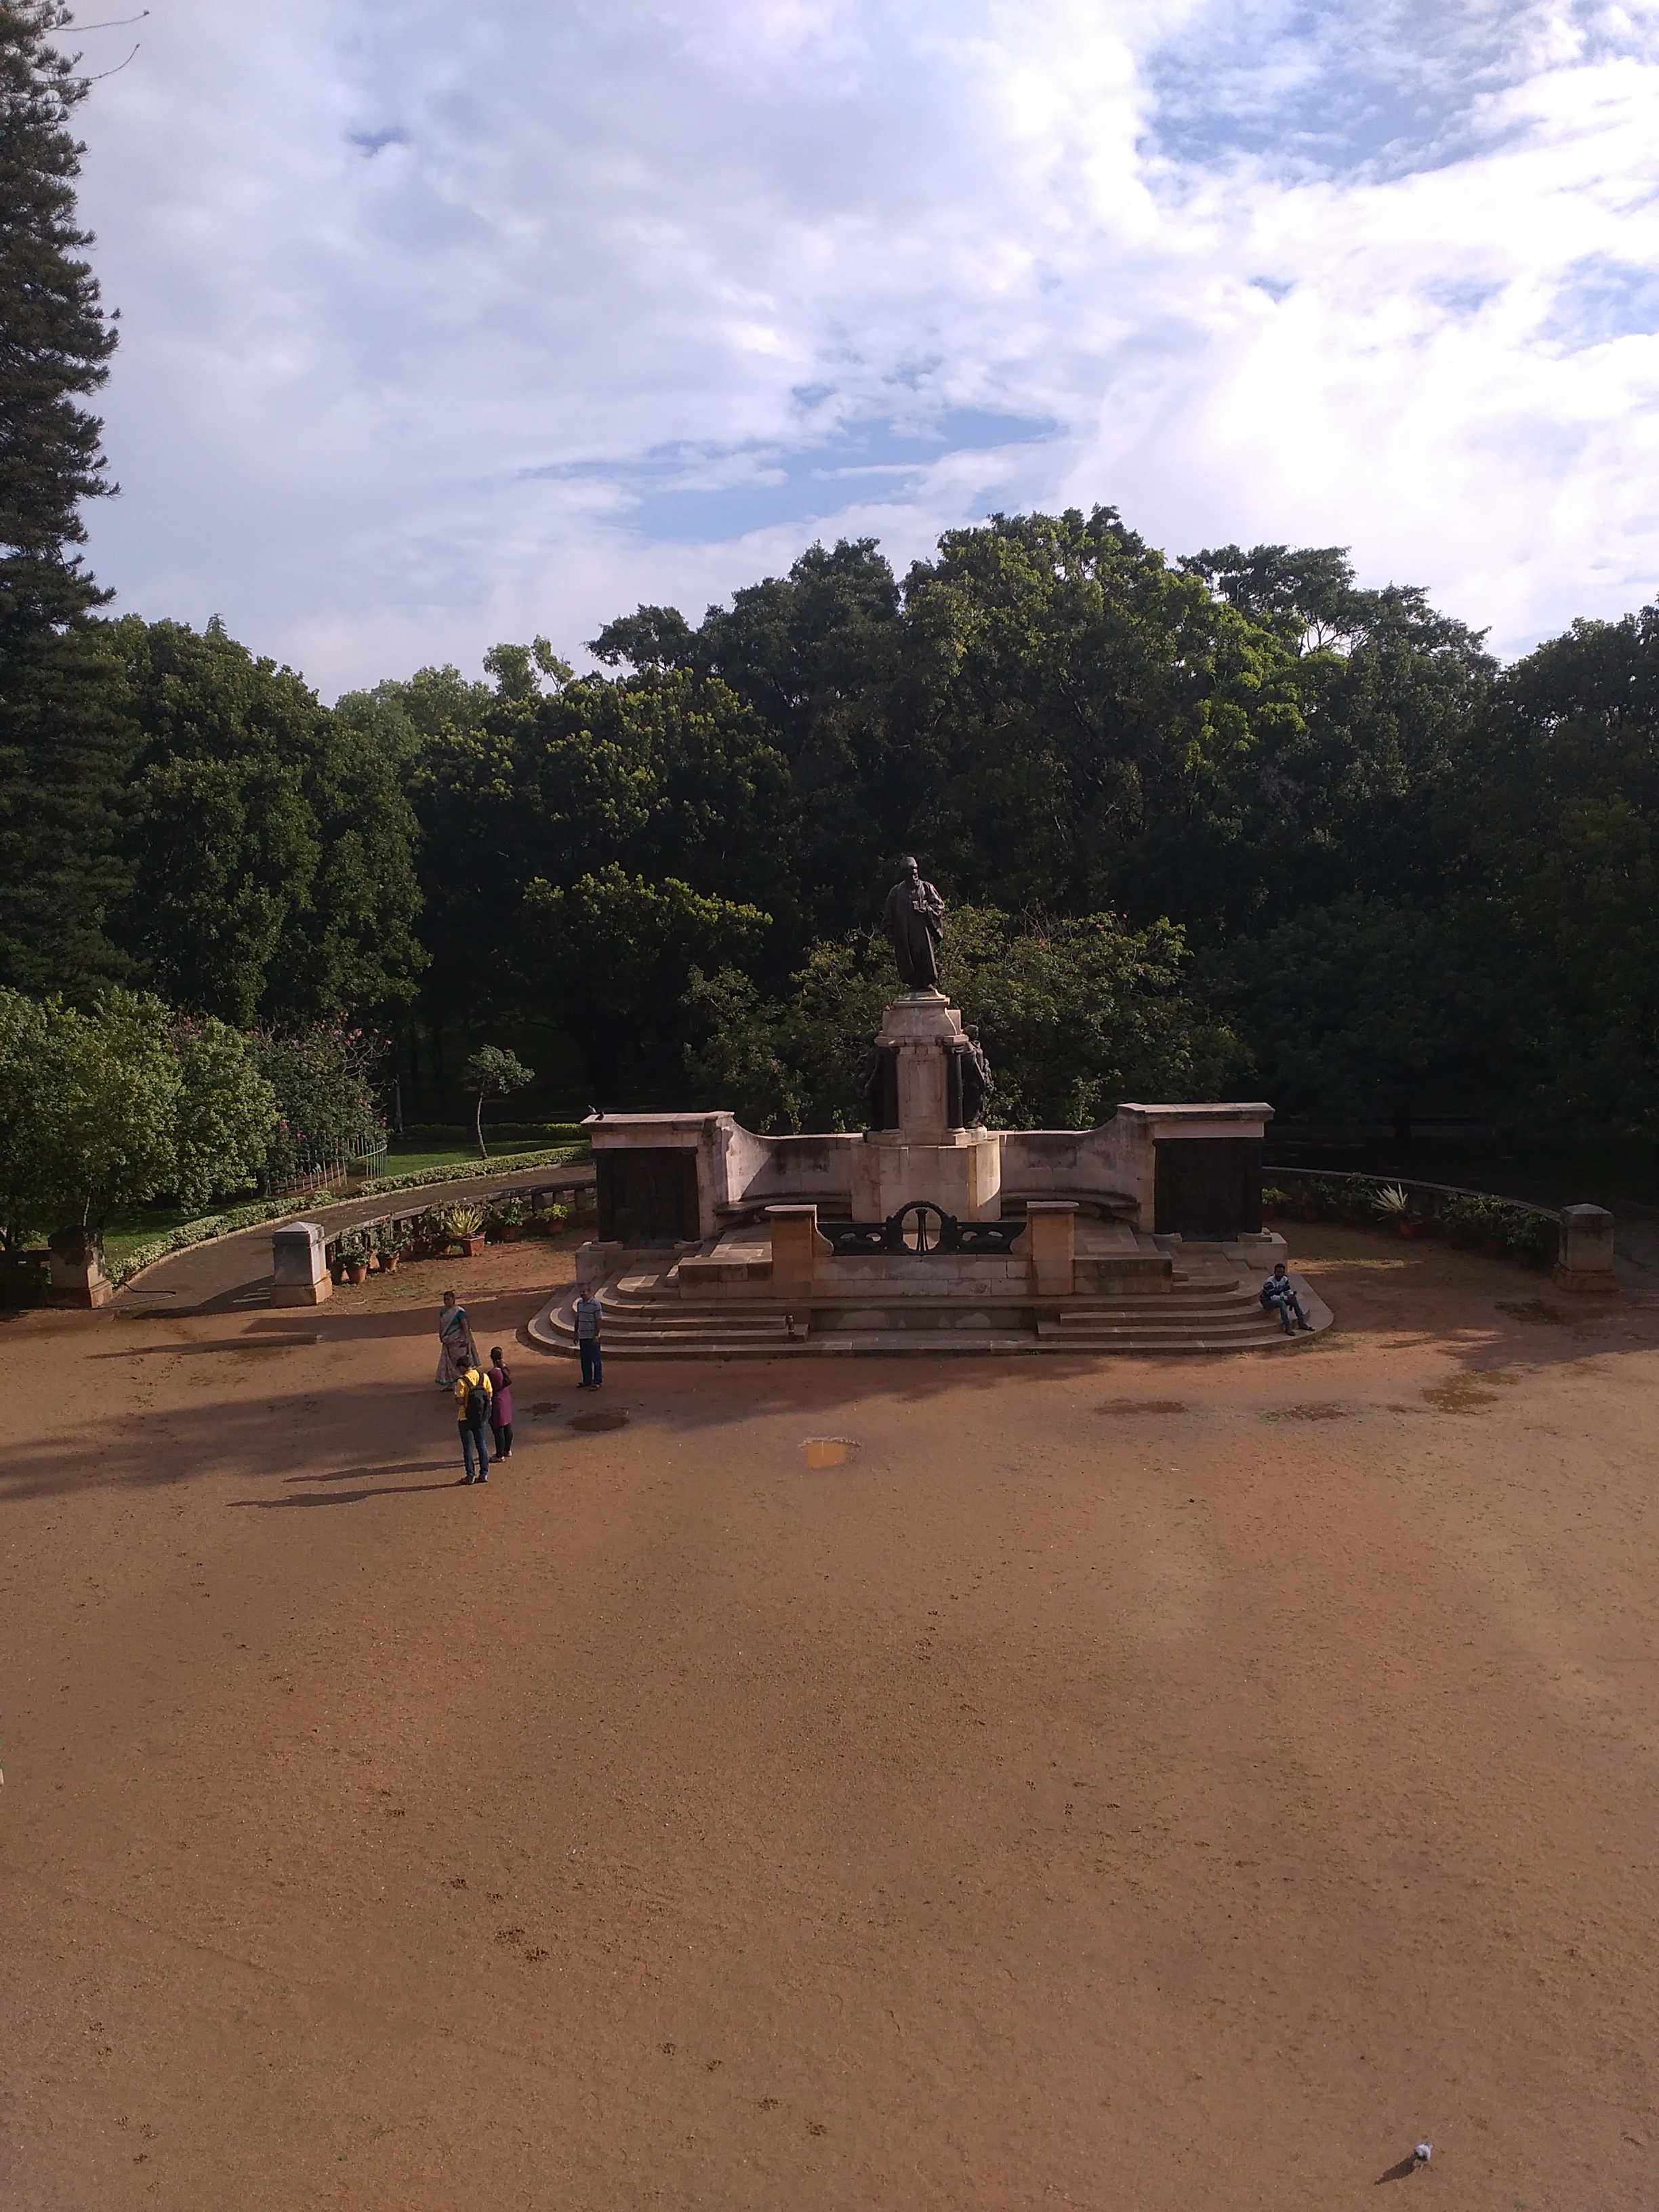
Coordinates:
(410, 1155)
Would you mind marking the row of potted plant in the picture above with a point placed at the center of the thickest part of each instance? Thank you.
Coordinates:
(1497, 1226)
(442, 1232)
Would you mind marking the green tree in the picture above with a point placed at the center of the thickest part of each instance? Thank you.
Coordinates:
(105, 1109)
(57, 343)
(1075, 1015)
(613, 956)
(1371, 1008)
(64, 743)
(25, 1028)
(226, 1110)
(1564, 826)
(493, 1072)
(323, 1081)
(273, 874)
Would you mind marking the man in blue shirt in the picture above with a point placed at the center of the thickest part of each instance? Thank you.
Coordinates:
(587, 1339)
(1279, 1296)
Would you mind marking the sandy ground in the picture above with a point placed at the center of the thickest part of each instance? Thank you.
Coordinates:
(1121, 1785)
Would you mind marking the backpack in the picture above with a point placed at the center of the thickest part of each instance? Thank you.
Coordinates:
(477, 1403)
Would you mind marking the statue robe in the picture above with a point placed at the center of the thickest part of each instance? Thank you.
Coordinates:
(913, 919)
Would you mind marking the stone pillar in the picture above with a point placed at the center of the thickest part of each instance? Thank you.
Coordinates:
(795, 1245)
(1051, 1236)
(1584, 1261)
(595, 1261)
(299, 1273)
(76, 1270)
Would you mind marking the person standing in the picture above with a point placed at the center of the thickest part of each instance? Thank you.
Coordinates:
(456, 1349)
(472, 1396)
(501, 1403)
(587, 1340)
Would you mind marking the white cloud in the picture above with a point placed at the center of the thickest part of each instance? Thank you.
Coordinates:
(443, 325)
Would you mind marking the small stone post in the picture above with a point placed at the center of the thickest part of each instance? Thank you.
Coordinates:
(795, 1242)
(76, 1270)
(299, 1272)
(1052, 1233)
(1584, 1261)
(594, 1261)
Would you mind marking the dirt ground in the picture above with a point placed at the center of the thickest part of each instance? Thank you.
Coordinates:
(1122, 1784)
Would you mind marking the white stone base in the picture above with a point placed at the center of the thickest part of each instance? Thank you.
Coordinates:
(963, 1175)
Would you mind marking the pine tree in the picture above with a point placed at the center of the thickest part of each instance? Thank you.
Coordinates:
(65, 742)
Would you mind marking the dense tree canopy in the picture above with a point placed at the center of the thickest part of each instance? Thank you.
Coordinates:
(1223, 819)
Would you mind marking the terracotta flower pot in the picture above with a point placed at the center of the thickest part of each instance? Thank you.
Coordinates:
(1411, 1230)
(1493, 1246)
(1270, 1213)
(357, 1271)
(512, 1231)
(389, 1263)
(1310, 1213)
(472, 1247)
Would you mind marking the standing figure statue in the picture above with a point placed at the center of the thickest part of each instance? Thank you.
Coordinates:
(913, 918)
(977, 1082)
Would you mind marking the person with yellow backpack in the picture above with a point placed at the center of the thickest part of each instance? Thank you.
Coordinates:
(472, 1402)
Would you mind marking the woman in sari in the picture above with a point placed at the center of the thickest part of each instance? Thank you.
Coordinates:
(455, 1347)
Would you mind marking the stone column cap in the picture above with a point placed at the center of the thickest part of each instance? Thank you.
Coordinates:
(1052, 1206)
(1585, 1217)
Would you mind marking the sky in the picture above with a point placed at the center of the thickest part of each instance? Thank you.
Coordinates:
(444, 325)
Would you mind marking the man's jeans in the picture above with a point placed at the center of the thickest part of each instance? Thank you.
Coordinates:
(593, 1362)
(474, 1440)
(1285, 1303)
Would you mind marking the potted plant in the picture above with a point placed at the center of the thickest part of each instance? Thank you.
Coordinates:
(465, 1226)
(507, 1220)
(1392, 1206)
(354, 1250)
(550, 1220)
(1272, 1200)
(391, 1241)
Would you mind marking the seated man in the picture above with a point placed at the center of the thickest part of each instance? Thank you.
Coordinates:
(1279, 1295)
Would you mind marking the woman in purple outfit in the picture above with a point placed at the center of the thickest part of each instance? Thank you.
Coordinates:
(501, 1403)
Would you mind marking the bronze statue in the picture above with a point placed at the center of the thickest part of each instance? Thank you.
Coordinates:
(977, 1083)
(913, 919)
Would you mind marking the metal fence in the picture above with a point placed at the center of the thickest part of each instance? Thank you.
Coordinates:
(320, 1171)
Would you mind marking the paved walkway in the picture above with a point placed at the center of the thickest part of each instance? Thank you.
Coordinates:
(232, 1274)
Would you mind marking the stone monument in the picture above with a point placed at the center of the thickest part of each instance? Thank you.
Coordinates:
(923, 1143)
(925, 1230)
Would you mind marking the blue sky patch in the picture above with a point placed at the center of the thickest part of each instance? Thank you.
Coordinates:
(706, 494)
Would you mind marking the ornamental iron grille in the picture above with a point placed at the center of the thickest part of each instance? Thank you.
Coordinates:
(922, 1231)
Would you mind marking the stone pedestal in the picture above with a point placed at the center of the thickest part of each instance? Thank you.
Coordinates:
(76, 1270)
(1052, 1237)
(298, 1274)
(1584, 1261)
(595, 1261)
(796, 1244)
(959, 1170)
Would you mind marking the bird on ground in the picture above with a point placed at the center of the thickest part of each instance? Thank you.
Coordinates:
(1423, 2152)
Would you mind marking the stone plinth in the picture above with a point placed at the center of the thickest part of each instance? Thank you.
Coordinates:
(75, 1269)
(924, 1158)
(1584, 1261)
(797, 1245)
(299, 1272)
(960, 1173)
(1051, 1238)
(920, 1029)
(595, 1260)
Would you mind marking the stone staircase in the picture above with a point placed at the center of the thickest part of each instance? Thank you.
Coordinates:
(1211, 1306)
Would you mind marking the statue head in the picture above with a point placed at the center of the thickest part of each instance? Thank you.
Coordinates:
(907, 866)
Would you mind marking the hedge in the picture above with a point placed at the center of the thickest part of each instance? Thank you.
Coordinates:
(208, 1226)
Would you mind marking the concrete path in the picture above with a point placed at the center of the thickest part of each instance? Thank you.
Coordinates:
(232, 1275)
